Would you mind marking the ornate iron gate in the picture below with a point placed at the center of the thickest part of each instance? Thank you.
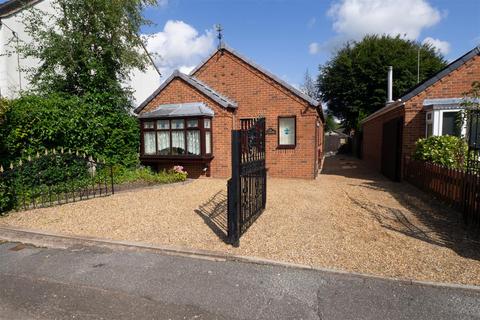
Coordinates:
(247, 189)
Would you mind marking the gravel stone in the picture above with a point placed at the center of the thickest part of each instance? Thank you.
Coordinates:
(349, 218)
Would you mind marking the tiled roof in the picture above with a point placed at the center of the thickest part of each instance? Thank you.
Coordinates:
(179, 110)
(197, 84)
(283, 83)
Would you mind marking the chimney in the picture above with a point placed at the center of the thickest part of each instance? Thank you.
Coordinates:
(390, 84)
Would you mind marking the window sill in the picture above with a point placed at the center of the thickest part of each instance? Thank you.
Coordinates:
(158, 158)
(286, 147)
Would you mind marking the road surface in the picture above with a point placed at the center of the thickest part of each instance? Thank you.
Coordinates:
(90, 282)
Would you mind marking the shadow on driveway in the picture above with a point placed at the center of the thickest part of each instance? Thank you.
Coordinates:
(419, 215)
(214, 214)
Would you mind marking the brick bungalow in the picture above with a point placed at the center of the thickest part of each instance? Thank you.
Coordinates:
(188, 120)
(430, 108)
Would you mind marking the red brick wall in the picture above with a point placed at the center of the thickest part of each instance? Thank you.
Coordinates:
(258, 95)
(178, 91)
(372, 138)
(452, 85)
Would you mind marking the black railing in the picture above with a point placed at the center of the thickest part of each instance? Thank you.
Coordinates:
(53, 178)
(247, 189)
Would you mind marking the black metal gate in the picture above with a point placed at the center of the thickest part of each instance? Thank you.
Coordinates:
(392, 149)
(247, 189)
(471, 188)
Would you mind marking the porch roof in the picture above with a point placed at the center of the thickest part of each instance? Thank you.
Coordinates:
(447, 103)
(178, 110)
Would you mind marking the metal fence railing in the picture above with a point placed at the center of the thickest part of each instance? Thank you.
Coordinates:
(53, 178)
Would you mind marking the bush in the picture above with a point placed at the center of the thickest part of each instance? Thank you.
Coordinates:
(145, 174)
(95, 124)
(7, 198)
(448, 151)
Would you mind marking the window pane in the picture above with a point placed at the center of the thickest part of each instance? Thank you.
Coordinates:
(193, 142)
(206, 123)
(148, 125)
(208, 142)
(193, 123)
(429, 129)
(178, 124)
(149, 142)
(287, 131)
(449, 125)
(163, 124)
(178, 142)
(163, 141)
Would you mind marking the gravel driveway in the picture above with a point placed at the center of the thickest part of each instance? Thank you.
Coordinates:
(349, 218)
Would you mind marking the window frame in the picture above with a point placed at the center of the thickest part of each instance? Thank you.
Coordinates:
(429, 122)
(200, 127)
(287, 146)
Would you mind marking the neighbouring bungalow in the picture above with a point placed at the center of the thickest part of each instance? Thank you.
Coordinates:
(430, 108)
(188, 120)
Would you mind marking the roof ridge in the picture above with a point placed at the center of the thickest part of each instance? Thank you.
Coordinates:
(224, 46)
(452, 66)
(209, 92)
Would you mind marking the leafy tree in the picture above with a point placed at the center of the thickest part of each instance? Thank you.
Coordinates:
(309, 86)
(85, 46)
(3, 109)
(330, 123)
(354, 81)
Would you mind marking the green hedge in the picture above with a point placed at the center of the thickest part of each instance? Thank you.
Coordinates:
(95, 124)
(449, 151)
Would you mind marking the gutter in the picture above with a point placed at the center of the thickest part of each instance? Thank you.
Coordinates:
(389, 107)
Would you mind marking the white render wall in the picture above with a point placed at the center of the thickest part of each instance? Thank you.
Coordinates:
(142, 83)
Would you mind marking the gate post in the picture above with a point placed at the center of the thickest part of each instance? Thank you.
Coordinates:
(234, 192)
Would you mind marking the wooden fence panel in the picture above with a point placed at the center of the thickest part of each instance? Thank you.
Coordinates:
(458, 188)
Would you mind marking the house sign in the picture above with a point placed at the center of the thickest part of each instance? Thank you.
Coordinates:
(270, 131)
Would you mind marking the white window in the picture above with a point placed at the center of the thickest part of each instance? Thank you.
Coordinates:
(149, 142)
(286, 132)
(193, 142)
(206, 123)
(429, 128)
(148, 125)
(163, 142)
(163, 124)
(208, 142)
(178, 142)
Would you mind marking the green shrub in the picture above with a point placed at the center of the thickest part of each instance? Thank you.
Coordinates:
(145, 174)
(96, 124)
(448, 151)
(7, 198)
